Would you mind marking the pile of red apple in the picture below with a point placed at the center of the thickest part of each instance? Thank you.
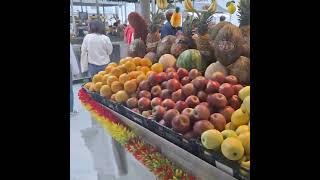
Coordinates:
(186, 101)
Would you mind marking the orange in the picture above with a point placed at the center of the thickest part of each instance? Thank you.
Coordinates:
(113, 64)
(146, 62)
(122, 68)
(130, 66)
(102, 73)
(157, 67)
(134, 74)
(96, 78)
(145, 69)
(108, 69)
(105, 79)
(111, 79)
(97, 86)
(138, 68)
(88, 85)
(141, 77)
(124, 78)
(116, 72)
(113, 97)
(121, 96)
(137, 61)
(116, 86)
(130, 86)
(105, 91)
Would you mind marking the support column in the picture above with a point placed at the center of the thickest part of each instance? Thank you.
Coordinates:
(145, 9)
(73, 20)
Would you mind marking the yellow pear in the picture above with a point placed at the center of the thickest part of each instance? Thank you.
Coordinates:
(97, 86)
(246, 164)
(246, 103)
(96, 78)
(245, 141)
(244, 92)
(211, 139)
(121, 96)
(239, 118)
(232, 148)
(228, 133)
(105, 91)
(242, 129)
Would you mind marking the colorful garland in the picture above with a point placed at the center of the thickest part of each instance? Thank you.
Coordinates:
(145, 153)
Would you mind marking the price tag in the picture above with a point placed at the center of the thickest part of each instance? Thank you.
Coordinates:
(224, 168)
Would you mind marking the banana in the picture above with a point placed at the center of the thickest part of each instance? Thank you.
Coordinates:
(162, 4)
(213, 7)
(188, 5)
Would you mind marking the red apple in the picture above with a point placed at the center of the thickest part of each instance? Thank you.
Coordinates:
(144, 104)
(202, 96)
(156, 101)
(188, 112)
(165, 94)
(182, 73)
(154, 79)
(163, 76)
(168, 104)
(173, 75)
(218, 120)
(212, 87)
(156, 91)
(237, 88)
(173, 85)
(185, 80)
(158, 112)
(199, 83)
(235, 102)
(226, 89)
(132, 102)
(231, 79)
(217, 100)
(193, 73)
(205, 104)
(201, 112)
(164, 84)
(169, 115)
(170, 69)
(144, 85)
(181, 123)
(227, 113)
(145, 93)
(188, 89)
(177, 95)
(218, 76)
(190, 135)
(192, 101)
(180, 106)
(201, 126)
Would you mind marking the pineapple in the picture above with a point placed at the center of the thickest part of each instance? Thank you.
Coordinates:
(153, 36)
(203, 41)
(244, 12)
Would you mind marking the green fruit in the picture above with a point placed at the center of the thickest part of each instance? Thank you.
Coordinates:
(232, 149)
(211, 139)
(242, 129)
(239, 118)
(245, 141)
(191, 59)
(246, 103)
(244, 92)
(228, 133)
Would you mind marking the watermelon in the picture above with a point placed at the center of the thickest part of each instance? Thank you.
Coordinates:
(191, 59)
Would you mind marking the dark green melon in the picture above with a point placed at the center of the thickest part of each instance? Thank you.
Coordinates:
(191, 59)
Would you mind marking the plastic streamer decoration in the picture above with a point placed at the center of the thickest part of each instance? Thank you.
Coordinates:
(148, 155)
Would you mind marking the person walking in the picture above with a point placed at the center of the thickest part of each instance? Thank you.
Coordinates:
(74, 70)
(96, 49)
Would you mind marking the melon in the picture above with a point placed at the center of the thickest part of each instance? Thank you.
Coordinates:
(164, 46)
(215, 67)
(152, 56)
(191, 59)
(137, 48)
(228, 44)
(181, 44)
(167, 60)
(241, 69)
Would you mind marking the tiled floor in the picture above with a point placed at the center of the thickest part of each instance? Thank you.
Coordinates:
(81, 162)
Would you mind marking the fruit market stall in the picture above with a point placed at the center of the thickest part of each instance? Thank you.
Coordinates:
(181, 104)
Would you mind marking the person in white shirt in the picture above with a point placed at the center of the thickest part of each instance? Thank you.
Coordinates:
(74, 70)
(96, 49)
